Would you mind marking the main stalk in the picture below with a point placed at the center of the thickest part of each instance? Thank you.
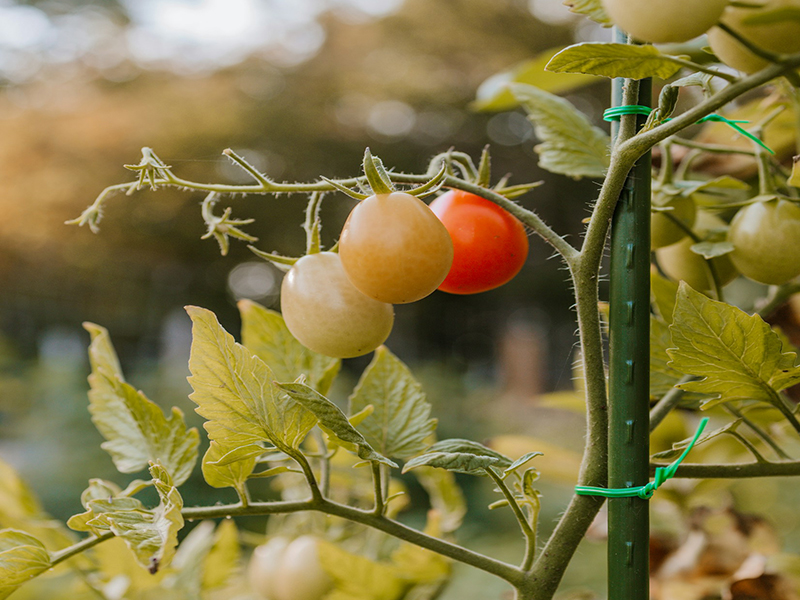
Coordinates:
(629, 373)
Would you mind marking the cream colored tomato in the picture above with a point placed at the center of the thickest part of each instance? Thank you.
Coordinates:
(766, 240)
(681, 264)
(664, 21)
(327, 314)
(663, 230)
(300, 575)
(394, 249)
(781, 36)
(263, 567)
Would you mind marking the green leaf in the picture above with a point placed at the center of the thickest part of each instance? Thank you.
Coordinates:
(456, 445)
(445, 496)
(738, 355)
(233, 390)
(333, 420)
(358, 578)
(571, 145)
(662, 376)
(190, 560)
(678, 447)
(590, 8)
(234, 473)
(522, 460)
(614, 60)
(22, 557)
(135, 429)
(493, 94)
(709, 250)
(663, 291)
(265, 334)
(151, 535)
(400, 424)
(459, 462)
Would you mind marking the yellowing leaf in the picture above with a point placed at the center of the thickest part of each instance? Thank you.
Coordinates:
(135, 429)
(358, 578)
(265, 334)
(494, 95)
(400, 423)
(738, 355)
(590, 8)
(22, 557)
(232, 474)
(570, 144)
(614, 60)
(234, 391)
(444, 495)
(223, 560)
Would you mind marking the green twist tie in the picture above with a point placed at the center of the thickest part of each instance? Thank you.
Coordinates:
(645, 491)
(614, 114)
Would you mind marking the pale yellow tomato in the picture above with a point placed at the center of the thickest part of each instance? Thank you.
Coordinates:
(665, 21)
(394, 249)
(263, 567)
(766, 240)
(663, 230)
(300, 575)
(327, 314)
(780, 35)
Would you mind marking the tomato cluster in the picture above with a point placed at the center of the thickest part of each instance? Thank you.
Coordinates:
(394, 249)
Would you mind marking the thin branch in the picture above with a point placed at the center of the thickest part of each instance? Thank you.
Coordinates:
(85, 544)
(524, 525)
(377, 484)
(668, 401)
(755, 428)
(704, 69)
(711, 148)
(736, 471)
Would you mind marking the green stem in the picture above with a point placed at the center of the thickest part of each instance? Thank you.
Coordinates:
(85, 544)
(524, 525)
(668, 401)
(377, 482)
(736, 471)
(703, 69)
(765, 437)
(711, 148)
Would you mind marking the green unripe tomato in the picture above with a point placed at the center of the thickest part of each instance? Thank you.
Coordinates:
(681, 264)
(766, 239)
(263, 567)
(663, 230)
(665, 21)
(781, 36)
(394, 249)
(327, 314)
(301, 576)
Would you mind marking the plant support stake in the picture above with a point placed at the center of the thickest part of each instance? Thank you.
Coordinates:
(629, 366)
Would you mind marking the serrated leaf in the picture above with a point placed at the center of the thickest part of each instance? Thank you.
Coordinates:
(614, 60)
(265, 334)
(151, 535)
(724, 182)
(457, 445)
(589, 8)
(400, 424)
(710, 250)
(358, 578)
(22, 557)
(493, 94)
(233, 390)
(333, 420)
(230, 474)
(570, 144)
(522, 460)
(135, 429)
(222, 562)
(738, 355)
(458, 462)
(445, 496)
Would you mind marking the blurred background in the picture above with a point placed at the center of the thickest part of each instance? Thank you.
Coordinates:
(300, 88)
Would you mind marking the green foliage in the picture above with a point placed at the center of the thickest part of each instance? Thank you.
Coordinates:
(400, 423)
(590, 8)
(570, 144)
(614, 60)
(738, 355)
(358, 578)
(135, 429)
(221, 473)
(22, 557)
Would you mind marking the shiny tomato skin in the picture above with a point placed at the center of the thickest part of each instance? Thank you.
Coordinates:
(766, 239)
(489, 244)
(394, 249)
(665, 21)
(327, 314)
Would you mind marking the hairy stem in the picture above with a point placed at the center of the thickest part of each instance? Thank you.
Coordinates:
(524, 525)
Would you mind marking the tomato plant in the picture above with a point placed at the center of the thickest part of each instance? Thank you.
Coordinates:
(288, 570)
(394, 249)
(766, 240)
(767, 27)
(489, 244)
(664, 231)
(326, 313)
(667, 21)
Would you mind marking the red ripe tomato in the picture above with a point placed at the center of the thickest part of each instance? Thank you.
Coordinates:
(489, 244)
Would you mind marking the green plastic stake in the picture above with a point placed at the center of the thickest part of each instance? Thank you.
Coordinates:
(629, 373)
